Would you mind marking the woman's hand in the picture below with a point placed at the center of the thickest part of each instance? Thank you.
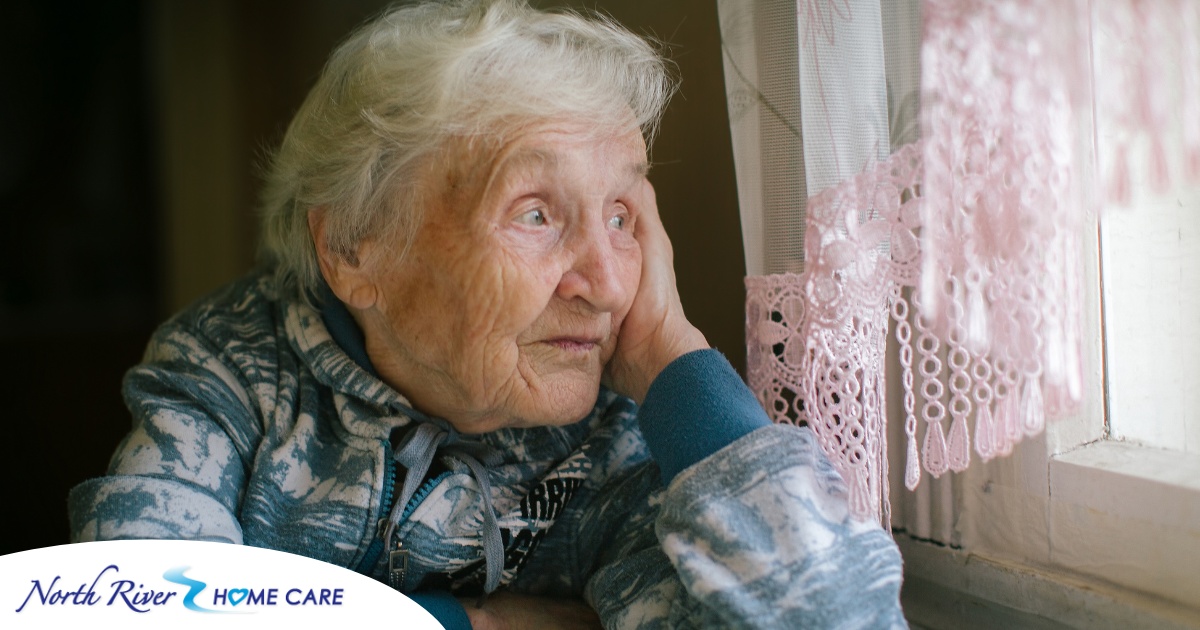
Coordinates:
(508, 611)
(655, 332)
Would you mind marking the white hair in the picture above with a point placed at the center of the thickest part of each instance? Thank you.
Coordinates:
(406, 83)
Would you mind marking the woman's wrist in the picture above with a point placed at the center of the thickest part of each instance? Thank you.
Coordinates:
(695, 407)
(633, 376)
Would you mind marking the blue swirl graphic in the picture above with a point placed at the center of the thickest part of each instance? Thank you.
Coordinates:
(194, 587)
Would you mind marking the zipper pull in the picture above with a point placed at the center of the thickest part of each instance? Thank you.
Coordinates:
(397, 566)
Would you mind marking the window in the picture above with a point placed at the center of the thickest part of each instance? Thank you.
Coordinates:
(1097, 523)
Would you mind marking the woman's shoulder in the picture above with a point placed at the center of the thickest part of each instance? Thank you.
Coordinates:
(236, 332)
(244, 312)
(243, 306)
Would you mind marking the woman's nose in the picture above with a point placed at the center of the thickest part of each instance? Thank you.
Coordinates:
(595, 274)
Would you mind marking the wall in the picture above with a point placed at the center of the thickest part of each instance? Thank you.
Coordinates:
(78, 278)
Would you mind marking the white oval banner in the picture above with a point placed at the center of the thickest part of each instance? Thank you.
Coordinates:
(189, 584)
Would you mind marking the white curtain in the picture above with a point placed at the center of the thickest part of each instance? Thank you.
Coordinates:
(922, 170)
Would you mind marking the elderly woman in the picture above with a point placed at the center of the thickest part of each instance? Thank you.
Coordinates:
(466, 369)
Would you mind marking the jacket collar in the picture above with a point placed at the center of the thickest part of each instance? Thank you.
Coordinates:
(331, 345)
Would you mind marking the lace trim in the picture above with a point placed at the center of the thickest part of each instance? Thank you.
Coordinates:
(967, 240)
(997, 343)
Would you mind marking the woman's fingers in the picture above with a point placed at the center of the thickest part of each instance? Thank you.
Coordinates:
(649, 230)
(656, 331)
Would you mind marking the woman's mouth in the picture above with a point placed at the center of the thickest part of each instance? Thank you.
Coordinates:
(574, 344)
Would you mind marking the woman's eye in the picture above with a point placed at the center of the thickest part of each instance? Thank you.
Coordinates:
(535, 217)
(618, 222)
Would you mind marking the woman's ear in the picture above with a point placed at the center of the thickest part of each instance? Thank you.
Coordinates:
(346, 273)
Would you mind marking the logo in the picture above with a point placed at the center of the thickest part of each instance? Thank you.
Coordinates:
(122, 583)
(108, 588)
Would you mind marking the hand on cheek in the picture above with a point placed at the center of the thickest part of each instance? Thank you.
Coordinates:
(655, 331)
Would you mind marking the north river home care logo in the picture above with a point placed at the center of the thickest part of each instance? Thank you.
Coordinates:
(109, 588)
(186, 584)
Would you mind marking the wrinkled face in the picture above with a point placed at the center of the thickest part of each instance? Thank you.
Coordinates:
(507, 306)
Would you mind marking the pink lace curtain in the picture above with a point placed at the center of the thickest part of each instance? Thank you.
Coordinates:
(925, 170)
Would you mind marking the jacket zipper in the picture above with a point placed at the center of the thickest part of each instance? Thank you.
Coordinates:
(398, 557)
(385, 507)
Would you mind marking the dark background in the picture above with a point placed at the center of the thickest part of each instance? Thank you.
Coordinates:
(130, 138)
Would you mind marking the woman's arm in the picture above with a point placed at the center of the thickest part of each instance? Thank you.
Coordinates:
(181, 471)
(756, 534)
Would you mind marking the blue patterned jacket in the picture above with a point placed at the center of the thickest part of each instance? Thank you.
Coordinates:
(251, 425)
